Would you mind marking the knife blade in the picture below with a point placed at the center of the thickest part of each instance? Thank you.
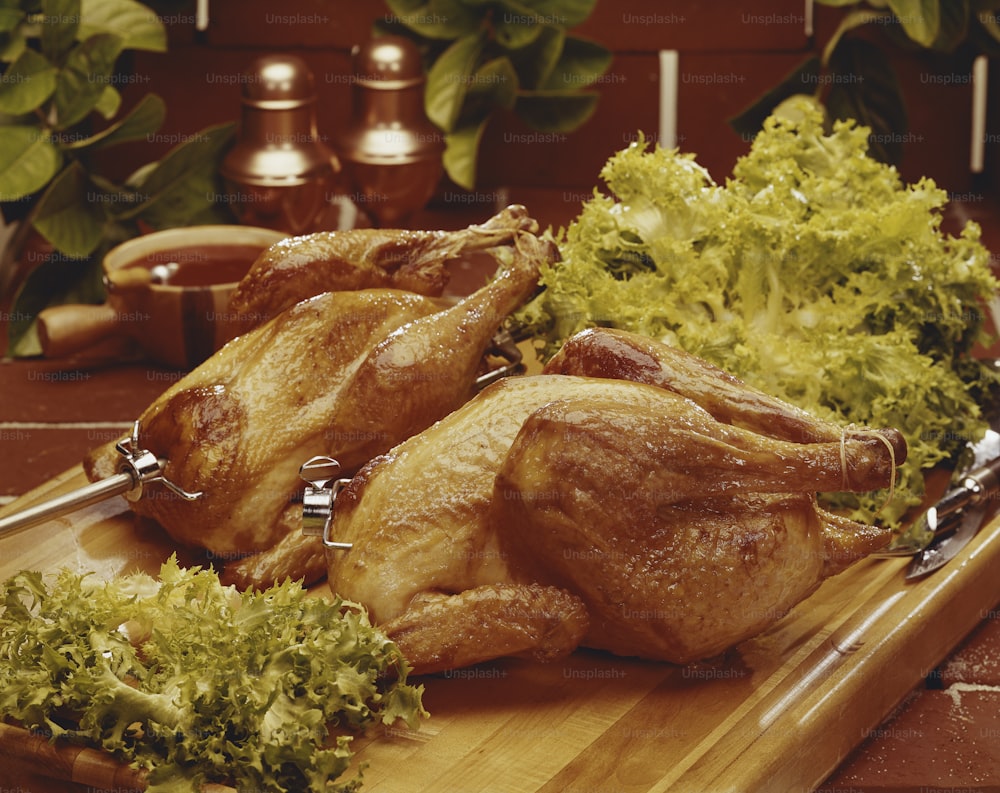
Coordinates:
(969, 500)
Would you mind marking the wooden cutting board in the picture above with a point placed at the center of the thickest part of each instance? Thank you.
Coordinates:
(779, 713)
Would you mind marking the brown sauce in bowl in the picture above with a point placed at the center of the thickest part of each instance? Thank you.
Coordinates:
(203, 265)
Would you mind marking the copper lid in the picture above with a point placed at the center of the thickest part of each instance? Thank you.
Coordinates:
(278, 143)
(388, 62)
(278, 82)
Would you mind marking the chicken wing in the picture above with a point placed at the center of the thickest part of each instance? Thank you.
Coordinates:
(328, 261)
(519, 620)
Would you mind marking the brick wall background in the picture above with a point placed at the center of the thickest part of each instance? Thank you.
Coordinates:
(728, 56)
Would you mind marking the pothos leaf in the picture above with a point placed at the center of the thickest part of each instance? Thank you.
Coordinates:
(135, 24)
(804, 78)
(28, 160)
(536, 62)
(515, 25)
(27, 84)
(460, 154)
(108, 102)
(494, 85)
(581, 64)
(12, 45)
(921, 19)
(954, 26)
(83, 79)
(555, 111)
(448, 81)
(67, 217)
(182, 183)
(142, 120)
(434, 19)
(874, 101)
(10, 18)
(989, 19)
(564, 13)
(59, 25)
(58, 279)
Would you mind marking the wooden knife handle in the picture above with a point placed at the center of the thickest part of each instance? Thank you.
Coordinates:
(63, 330)
(65, 762)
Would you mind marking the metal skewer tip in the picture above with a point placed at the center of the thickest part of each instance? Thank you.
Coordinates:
(137, 468)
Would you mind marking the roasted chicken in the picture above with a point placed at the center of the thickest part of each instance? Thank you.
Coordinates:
(328, 261)
(347, 374)
(632, 498)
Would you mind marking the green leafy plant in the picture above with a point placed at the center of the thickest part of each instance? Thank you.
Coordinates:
(60, 111)
(489, 56)
(853, 77)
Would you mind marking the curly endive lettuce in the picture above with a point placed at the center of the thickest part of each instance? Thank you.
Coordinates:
(813, 273)
(199, 682)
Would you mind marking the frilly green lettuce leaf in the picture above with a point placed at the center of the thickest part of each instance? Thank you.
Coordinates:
(199, 682)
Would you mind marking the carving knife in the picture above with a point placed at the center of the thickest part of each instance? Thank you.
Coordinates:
(964, 507)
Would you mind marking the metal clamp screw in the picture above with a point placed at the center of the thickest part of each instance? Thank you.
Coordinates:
(322, 486)
(503, 345)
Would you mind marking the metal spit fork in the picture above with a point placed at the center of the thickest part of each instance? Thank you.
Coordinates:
(137, 468)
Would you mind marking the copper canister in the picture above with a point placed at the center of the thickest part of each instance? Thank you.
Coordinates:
(279, 174)
(390, 151)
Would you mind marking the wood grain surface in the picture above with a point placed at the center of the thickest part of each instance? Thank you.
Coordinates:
(779, 712)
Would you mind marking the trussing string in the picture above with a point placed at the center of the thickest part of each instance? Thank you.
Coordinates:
(867, 433)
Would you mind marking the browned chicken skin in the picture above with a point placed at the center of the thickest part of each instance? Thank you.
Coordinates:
(644, 523)
(347, 374)
(416, 261)
(606, 352)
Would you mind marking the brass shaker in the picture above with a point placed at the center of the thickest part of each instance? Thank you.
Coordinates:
(391, 152)
(279, 174)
